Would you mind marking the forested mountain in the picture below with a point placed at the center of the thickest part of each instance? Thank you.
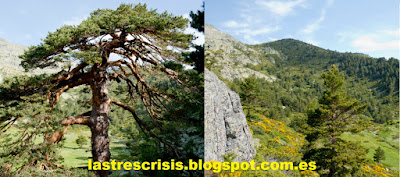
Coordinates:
(353, 64)
(377, 78)
(286, 104)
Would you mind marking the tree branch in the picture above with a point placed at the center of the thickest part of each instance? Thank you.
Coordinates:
(80, 119)
(77, 80)
(143, 125)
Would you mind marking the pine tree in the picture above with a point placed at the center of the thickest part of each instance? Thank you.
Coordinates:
(249, 90)
(335, 115)
(379, 155)
(144, 41)
(197, 56)
(184, 126)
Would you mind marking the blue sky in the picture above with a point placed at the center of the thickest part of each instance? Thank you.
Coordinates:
(366, 26)
(27, 22)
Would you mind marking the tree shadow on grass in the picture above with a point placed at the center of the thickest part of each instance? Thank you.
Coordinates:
(83, 158)
(119, 142)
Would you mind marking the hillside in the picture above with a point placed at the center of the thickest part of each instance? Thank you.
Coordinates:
(9, 61)
(360, 65)
(297, 67)
(9, 58)
(228, 57)
(371, 80)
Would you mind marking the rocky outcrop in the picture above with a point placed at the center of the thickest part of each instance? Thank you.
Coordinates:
(9, 61)
(230, 57)
(225, 125)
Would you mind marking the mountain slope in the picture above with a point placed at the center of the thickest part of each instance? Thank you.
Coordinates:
(298, 52)
(9, 61)
(228, 57)
(353, 64)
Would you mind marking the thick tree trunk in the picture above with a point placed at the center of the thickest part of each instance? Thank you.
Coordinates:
(99, 122)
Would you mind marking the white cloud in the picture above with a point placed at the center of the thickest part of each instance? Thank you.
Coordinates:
(199, 36)
(259, 31)
(75, 20)
(272, 39)
(251, 36)
(371, 43)
(252, 16)
(251, 26)
(310, 28)
(234, 24)
(308, 32)
(258, 19)
(345, 36)
(374, 41)
(328, 3)
(251, 39)
(280, 8)
(187, 16)
(189, 30)
(312, 41)
(315, 25)
(393, 32)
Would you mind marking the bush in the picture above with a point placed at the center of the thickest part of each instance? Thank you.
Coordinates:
(81, 141)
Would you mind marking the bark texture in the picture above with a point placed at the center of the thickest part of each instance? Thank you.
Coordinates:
(99, 122)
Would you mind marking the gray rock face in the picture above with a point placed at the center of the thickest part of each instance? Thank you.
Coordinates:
(9, 61)
(231, 56)
(225, 125)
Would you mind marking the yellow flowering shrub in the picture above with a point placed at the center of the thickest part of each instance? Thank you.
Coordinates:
(290, 150)
(309, 173)
(379, 171)
(235, 174)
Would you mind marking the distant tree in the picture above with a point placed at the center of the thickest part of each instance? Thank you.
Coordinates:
(379, 155)
(81, 141)
(141, 41)
(249, 90)
(334, 116)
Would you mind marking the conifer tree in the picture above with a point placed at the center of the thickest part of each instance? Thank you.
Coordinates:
(379, 155)
(143, 41)
(184, 126)
(335, 115)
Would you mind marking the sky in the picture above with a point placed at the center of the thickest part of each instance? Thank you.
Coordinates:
(363, 26)
(27, 22)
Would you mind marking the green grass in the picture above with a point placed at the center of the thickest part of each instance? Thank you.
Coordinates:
(72, 154)
(372, 142)
(390, 133)
(78, 157)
